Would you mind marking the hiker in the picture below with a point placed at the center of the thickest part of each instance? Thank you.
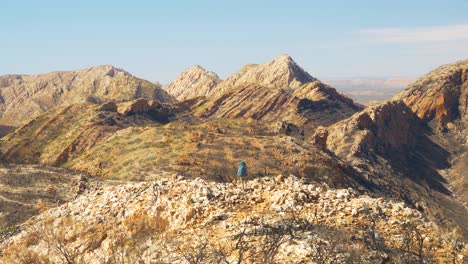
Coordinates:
(242, 172)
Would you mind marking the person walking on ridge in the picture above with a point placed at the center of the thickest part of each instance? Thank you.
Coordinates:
(242, 172)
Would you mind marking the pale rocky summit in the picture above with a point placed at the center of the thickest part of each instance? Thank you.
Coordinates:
(281, 72)
(192, 83)
(25, 96)
(280, 219)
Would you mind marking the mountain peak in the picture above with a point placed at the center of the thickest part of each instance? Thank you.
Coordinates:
(196, 68)
(283, 58)
(193, 82)
(280, 72)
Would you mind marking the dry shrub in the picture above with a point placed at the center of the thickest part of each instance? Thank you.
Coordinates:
(56, 243)
(42, 205)
(128, 243)
(140, 224)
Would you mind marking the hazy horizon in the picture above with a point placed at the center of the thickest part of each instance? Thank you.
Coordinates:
(156, 40)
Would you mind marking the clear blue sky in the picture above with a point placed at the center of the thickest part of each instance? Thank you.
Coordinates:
(158, 39)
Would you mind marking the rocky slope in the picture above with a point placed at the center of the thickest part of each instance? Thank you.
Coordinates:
(275, 220)
(58, 136)
(25, 96)
(440, 98)
(192, 83)
(281, 72)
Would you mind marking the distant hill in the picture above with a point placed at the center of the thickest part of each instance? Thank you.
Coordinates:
(367, 90)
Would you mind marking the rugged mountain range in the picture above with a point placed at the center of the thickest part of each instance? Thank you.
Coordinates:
(192, 83)
(279, 90)
(77, 136)
(25, 96)
(280, 120)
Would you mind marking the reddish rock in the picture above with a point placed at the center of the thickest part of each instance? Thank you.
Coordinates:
(441, 95)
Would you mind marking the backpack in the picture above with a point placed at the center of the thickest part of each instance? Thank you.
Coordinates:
(242, 170)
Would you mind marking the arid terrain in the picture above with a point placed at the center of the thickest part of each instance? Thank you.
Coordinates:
(369, 90)
(100, 166)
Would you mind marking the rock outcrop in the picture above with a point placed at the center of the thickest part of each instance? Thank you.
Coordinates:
(192, 83)
(391, 126)
(157, 111)
(279, 219)
(25, 96)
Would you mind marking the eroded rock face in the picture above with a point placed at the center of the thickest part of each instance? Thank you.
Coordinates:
(440, 98)
(25, 96)
(192, 83)
(396, 153)
(441, 95)
(281, 72)
(391, 126)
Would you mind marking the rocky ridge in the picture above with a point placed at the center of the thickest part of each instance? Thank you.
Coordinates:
(25, 96)
(279, 219)
(309, 105)
(193, 82)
